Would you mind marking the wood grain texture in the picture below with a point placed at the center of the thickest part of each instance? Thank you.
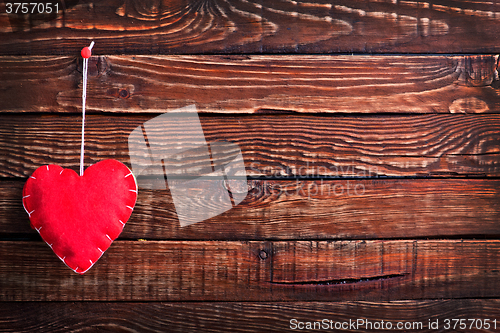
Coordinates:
(160, 27)
(257, 271)
(241, 317)
(346, 209)
(262, 75)
(277, 146)
(254, 84)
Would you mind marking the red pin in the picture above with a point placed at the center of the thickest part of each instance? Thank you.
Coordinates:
(87, 51)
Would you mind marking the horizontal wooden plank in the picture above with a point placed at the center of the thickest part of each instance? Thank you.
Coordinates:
(277, 26)
(271, 145)
(254, 84)
(359, 209)
(257, 271)
(246, 316)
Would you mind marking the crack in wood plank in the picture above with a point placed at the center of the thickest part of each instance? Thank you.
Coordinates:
(342, 281)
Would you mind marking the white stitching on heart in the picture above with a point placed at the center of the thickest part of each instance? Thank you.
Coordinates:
(61, 172)
(25, 206)
(29, 213)
(38, 230)
(91, 263)
(47, 168)
(135, 191)
(26, 196)
(109, 237)
(129, 174)
(32, 177)
(100, 250)
(121, 222)
(132, 208)
(26, 210)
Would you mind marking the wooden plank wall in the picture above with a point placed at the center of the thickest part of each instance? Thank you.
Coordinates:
(370, 132)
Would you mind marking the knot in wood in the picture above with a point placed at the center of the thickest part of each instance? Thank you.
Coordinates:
(263, 254)
(124, 93)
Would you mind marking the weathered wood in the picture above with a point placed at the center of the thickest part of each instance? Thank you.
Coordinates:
(243, 317)
(301, 241)
(257, 271)
(254, 84)
(151, 26)
(347, 209)
(272, 145)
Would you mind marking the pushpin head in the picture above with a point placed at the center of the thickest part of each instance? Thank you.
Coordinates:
(86, 52)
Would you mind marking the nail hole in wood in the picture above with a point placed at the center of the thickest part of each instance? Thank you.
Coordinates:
(263, 254)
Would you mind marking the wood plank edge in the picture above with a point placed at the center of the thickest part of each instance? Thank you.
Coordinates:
(239, 316)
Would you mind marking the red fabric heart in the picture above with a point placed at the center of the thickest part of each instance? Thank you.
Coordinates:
(79, 217)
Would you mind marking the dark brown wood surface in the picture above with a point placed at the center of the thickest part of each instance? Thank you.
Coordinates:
(278, 146)
(254, 84)
(369, 132)
(257, 271)
(277, 26)
(244, 317)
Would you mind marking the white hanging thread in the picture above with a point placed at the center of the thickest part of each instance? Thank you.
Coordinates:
(84, 98)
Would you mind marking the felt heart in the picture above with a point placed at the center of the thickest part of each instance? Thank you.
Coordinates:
(79, 217)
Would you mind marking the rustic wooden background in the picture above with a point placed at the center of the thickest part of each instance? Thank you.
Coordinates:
(396, 99)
